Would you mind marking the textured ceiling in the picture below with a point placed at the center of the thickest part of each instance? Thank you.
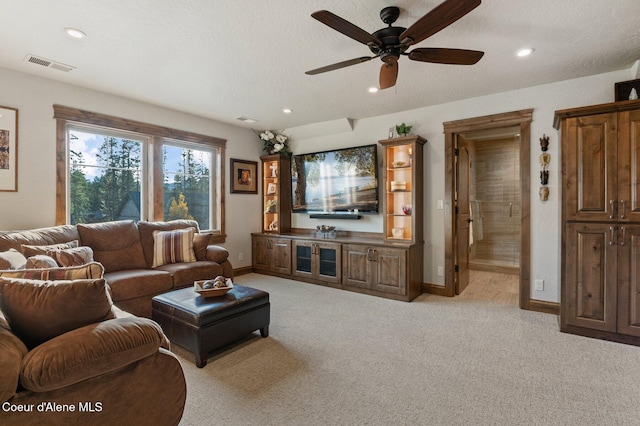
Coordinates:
(225, 58)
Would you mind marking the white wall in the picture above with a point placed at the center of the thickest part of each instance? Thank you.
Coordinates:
(34, 205)
(427, 122)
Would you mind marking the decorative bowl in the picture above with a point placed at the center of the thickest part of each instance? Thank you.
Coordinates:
(212, 292)
(398, 164)
(406, 209)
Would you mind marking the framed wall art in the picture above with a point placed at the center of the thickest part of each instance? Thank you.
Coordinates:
(244, 176)
(8, 149)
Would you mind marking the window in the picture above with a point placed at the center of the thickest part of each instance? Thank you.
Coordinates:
(105, 175)
(187, 183)
(110, 168)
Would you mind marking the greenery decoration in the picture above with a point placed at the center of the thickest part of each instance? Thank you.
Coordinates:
(403, 129)
(273, 142)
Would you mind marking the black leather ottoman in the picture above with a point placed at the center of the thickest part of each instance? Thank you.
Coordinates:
(201, 324)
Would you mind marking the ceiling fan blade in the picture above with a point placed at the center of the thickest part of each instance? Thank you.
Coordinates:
(442, 16)
(446, 56)
(345, 27)
(388, 74)
(339, 65)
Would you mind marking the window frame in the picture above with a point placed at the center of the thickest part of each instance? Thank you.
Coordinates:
(157, 136)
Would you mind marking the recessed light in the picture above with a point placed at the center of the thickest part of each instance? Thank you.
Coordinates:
(75, 33)
(524, 52)
(373, 89)
(287, 110)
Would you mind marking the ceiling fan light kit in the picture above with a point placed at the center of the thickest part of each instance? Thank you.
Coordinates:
(391, 42)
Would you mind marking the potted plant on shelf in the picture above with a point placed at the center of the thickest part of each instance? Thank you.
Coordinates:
(273, 142)
(403, 129)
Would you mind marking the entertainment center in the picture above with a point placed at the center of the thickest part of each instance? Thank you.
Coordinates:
(387, 264)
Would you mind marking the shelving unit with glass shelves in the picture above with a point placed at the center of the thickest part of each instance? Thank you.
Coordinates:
(403, 188)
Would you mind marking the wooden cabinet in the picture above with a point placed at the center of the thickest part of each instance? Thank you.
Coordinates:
(601, 221)
(317, 260)
(271, 254)
(380, 269)
(276, 193)
(403, 199)
(603, 165)
(375, 268)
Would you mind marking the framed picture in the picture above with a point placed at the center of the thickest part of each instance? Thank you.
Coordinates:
(8, 149)
(271, 188)
(244, 176)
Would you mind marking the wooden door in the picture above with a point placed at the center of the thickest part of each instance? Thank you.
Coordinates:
(628, 166)
(590, 166)
(356, 270)
(589, 293)
(629, 280)
(390, 270)
(463, 215)
(281, 255)
(260, 253)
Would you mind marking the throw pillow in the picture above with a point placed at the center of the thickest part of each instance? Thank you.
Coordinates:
(91, 270)
(38, 310)
(74, 256)
(41, 261)
(31, 250)
(200, 243)
(12, 259)
(173, 246)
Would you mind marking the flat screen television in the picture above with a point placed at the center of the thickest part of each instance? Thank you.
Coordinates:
(341, 180)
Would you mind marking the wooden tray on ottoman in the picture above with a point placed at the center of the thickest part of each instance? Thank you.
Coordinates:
(201, 325)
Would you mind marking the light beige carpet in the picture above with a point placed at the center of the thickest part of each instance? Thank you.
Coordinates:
(341, 358)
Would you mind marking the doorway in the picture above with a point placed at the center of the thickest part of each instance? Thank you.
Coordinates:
(505, 213)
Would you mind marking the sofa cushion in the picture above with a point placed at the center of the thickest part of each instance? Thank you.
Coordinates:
(217, 254)
(12, 259)
(38, 310)
(173, 246)
(146, 233)
(184, 274)
(115, 244)
(89, 352)
(91, 270)
(39, 236)
(134, 283)
(12, 350)
(32, 250)
(40, 261)
(74, 256)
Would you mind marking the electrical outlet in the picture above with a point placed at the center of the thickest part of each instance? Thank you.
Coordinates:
(440, 271)
(240, 256)
(538, 285)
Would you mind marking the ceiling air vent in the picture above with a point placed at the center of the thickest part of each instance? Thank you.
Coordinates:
(245, 119)
(48, 63)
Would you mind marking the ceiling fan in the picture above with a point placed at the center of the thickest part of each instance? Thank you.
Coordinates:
(391, 42)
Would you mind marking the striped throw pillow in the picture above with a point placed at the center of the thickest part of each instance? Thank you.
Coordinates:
(173, 246)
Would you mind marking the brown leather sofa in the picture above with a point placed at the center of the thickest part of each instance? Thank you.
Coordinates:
(125, 249)
(116, 371)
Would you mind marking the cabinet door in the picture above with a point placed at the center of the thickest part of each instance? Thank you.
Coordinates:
(281, 255)
(628, 166)
(590, 167)
(391, 270)
(589, 292)
(356, 270)
(327, 262)
(303, 258)
(260, 253)
(629, 280)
